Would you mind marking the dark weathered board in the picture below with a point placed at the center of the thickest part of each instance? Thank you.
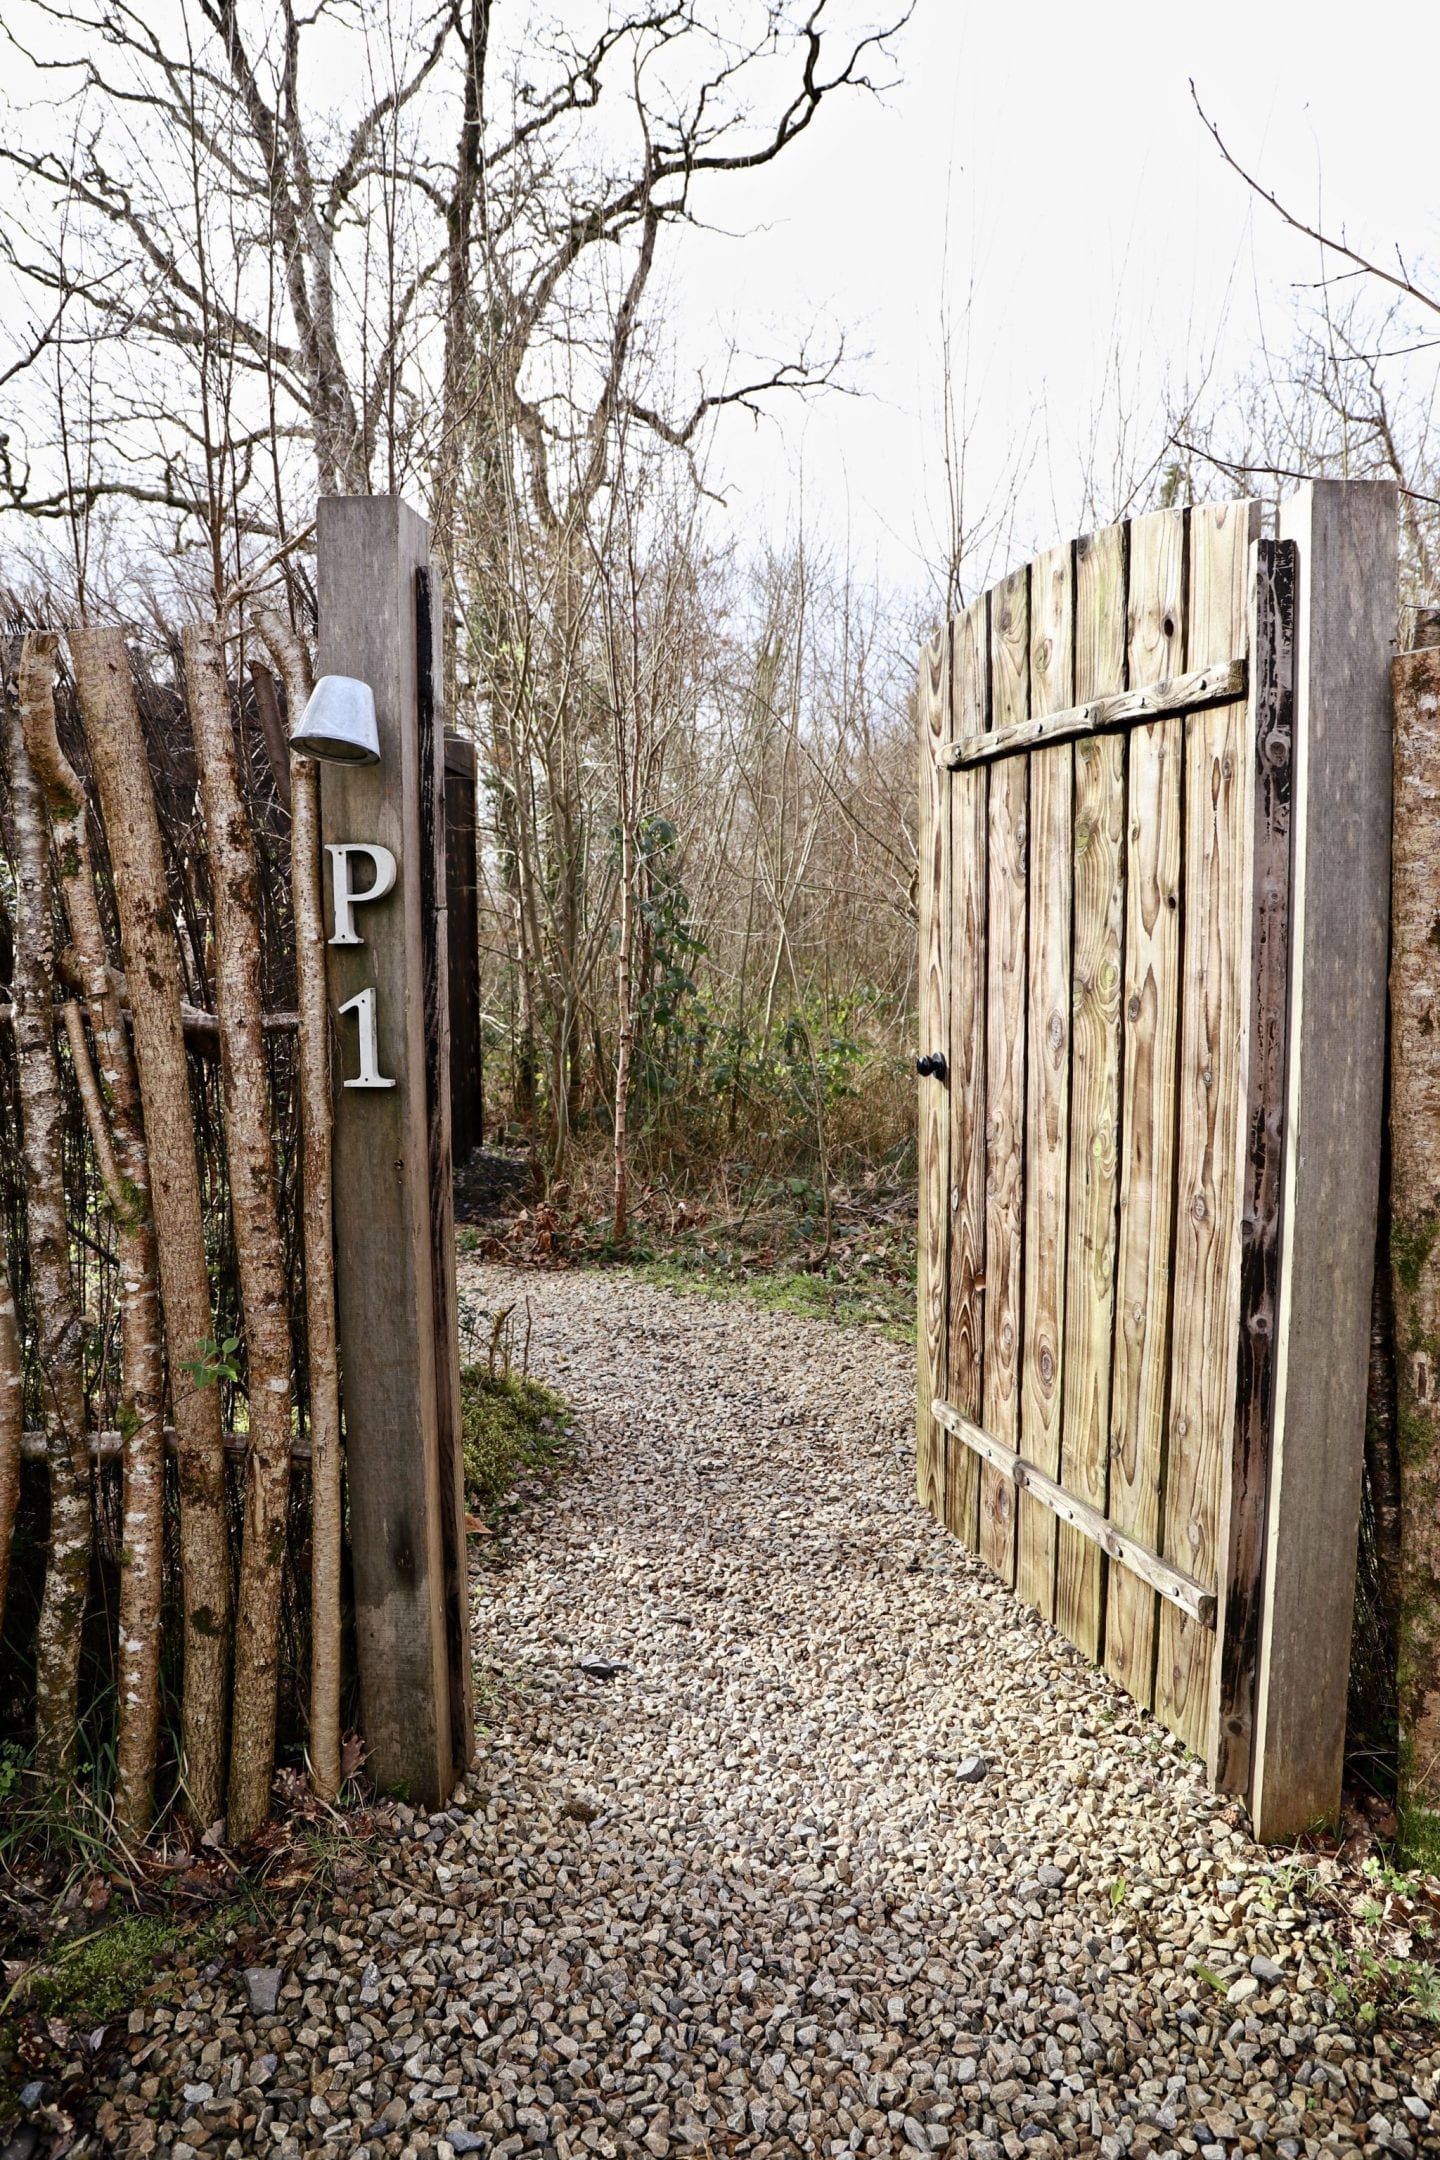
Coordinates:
(1110, 924)
(1272, 702)
(462, 936)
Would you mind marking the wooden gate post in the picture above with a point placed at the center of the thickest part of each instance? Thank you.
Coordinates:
(382, 831)
(1345, 536)
(467, 1123)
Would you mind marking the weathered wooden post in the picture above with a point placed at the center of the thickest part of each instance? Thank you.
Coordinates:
(1345, 537)
(463, 927)
(382, 832)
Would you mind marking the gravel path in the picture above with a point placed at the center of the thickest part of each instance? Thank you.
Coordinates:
(851, 1854)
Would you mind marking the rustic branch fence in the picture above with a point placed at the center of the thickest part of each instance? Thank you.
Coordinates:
(174, 1523)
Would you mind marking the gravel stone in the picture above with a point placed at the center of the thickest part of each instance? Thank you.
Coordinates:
(744, 1899)
(263, 1983)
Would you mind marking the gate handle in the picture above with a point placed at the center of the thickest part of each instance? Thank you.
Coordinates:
(932, 1066)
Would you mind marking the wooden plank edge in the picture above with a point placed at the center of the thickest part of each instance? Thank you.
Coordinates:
(1181, 1589)
(1123, 708)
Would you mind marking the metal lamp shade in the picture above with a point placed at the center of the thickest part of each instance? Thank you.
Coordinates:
(339, 722)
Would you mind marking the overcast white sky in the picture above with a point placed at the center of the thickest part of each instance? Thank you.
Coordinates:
(1053, 151)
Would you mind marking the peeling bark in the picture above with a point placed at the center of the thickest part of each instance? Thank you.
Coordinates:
(111, 1102)
(12, 1418)
(316, 1122)
(152, 966)
(259, 1253)
(57, 1312)
(1415, 1211)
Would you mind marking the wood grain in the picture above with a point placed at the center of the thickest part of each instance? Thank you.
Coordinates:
(968, 791)
(1154, 633)
(1047, 1117)
(1210, 1097)
(1098, 923)
(933, 1126)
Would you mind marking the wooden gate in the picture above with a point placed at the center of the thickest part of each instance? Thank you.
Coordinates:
(1154, 840)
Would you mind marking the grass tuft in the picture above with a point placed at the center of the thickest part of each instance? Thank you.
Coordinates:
(513, 1429)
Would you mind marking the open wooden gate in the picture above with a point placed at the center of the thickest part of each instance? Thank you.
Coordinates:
(1154, 853)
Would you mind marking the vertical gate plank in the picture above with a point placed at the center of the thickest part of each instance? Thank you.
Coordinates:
(1155, 639)
(1005, 1089)
(1242, 1519)
(969, 684)
(1099, 836)
(933, 903)
(1212, 1091)
(1047, 1120)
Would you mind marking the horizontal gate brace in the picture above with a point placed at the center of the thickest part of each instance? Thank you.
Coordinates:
(1181, 1589)
(1220, 685)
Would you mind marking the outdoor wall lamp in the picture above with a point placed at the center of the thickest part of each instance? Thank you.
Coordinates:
(338, 723)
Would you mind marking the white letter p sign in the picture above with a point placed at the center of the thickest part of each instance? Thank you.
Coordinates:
(345, 896)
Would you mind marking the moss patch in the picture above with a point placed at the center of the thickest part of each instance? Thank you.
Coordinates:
(1419, 1843)
(815, 1294)
(103, 1976)
(1411, 1244)
(513, 1428)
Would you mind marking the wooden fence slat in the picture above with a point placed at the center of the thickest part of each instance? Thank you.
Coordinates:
(1212, 1091)
(1005, 1008)
(1099, 837)
(1242, 1518)
(1047, 1114)
(933, 901)
(969, 686)
(1154, 637)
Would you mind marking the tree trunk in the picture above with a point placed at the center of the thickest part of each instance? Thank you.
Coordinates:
(112, 1111)
(1415, 1217)
(316, 1113)
(259, 1254)
(626, 1033)
(59, 1335)
(152, 966)
(12, 1417)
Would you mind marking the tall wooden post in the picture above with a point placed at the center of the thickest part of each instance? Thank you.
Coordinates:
(1345, 538)
(394, 1247)
(463, 923)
